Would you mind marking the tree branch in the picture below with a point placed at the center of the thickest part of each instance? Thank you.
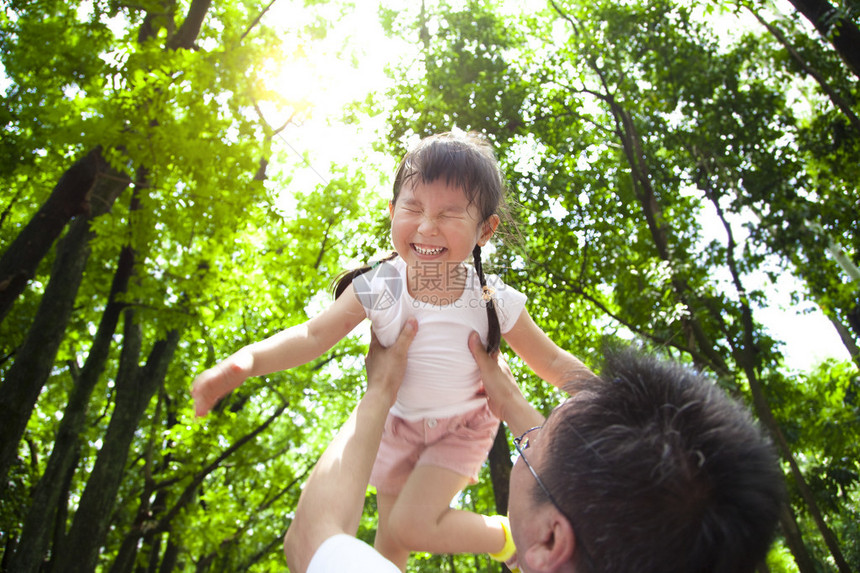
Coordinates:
(188, 493)
(190, 28)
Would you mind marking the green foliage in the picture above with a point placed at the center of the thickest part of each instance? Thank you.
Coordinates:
(779, 560)
(816, 410)
(634, 137)
(215, 258)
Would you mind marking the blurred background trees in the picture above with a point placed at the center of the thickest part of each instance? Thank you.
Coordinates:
(679, 170)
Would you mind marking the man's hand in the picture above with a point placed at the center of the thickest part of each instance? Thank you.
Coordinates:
(333, 498)
(504, 397)
(387, 366)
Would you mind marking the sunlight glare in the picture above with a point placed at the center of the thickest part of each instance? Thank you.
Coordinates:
(314, 86)
(294, 81)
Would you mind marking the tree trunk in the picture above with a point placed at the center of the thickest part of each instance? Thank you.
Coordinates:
(135, 387)
(35, 535)
(70, 197)
(154, 543)
(170, 557)
(62, 514)
(651, 209)
(842, 33)
(205, 563)
(794, 540)
(127, 554)
(764, 413)
(500, 469)
(35, 358)
(841, 103)
(148, 509)
(8, 548)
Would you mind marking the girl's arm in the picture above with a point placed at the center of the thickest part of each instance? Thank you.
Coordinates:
(292, 347)
(302, 343)
(542, 355)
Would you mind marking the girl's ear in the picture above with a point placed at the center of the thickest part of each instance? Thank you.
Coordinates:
(390, 210)
(488, 229)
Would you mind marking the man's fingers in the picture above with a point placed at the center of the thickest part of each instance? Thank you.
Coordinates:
(487, 363)
(407, 334)
(477, 347)
(400, 346)
(479, 353)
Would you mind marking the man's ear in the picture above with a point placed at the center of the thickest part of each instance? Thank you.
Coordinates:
(488, 229)
(552, 550)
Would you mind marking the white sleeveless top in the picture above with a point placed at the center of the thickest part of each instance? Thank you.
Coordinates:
(442, 378)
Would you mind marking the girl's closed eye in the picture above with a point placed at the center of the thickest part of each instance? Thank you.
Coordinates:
(411, 209)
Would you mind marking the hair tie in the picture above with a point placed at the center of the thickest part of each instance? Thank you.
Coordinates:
(487, 293)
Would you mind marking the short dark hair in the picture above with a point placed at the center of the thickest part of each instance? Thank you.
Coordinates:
(661, 471)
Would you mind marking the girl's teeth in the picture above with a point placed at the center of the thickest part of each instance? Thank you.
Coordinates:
(424, 251)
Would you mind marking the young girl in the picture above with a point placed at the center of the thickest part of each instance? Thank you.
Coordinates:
(448, 193)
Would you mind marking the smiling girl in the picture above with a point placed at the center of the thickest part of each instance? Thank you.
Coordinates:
(448, 196)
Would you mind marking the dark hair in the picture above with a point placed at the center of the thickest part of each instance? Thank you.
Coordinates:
(465, 161)
(660, 471)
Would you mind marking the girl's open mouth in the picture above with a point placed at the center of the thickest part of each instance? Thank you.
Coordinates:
(426, 250)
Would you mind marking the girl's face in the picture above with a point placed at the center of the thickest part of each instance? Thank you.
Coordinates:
(434, 224)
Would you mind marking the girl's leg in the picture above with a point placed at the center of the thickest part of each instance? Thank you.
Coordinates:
(422, 519)
(386, 543)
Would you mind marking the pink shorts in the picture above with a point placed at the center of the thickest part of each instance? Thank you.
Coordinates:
(460, 444)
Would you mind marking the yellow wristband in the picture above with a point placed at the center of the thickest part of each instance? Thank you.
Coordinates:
(509, 549)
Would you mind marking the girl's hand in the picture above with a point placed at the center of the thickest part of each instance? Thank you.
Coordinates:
(216, 382)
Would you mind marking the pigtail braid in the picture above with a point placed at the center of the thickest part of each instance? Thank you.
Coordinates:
(494, 334)
(345, 278)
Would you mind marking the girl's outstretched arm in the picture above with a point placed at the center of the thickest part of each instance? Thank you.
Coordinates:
(542, 355)
(289, 348)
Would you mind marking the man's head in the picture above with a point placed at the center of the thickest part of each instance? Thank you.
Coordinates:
(655, 469)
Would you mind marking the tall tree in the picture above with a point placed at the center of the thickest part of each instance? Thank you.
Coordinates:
(171, 100)
(35, 358)
(35, 537)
